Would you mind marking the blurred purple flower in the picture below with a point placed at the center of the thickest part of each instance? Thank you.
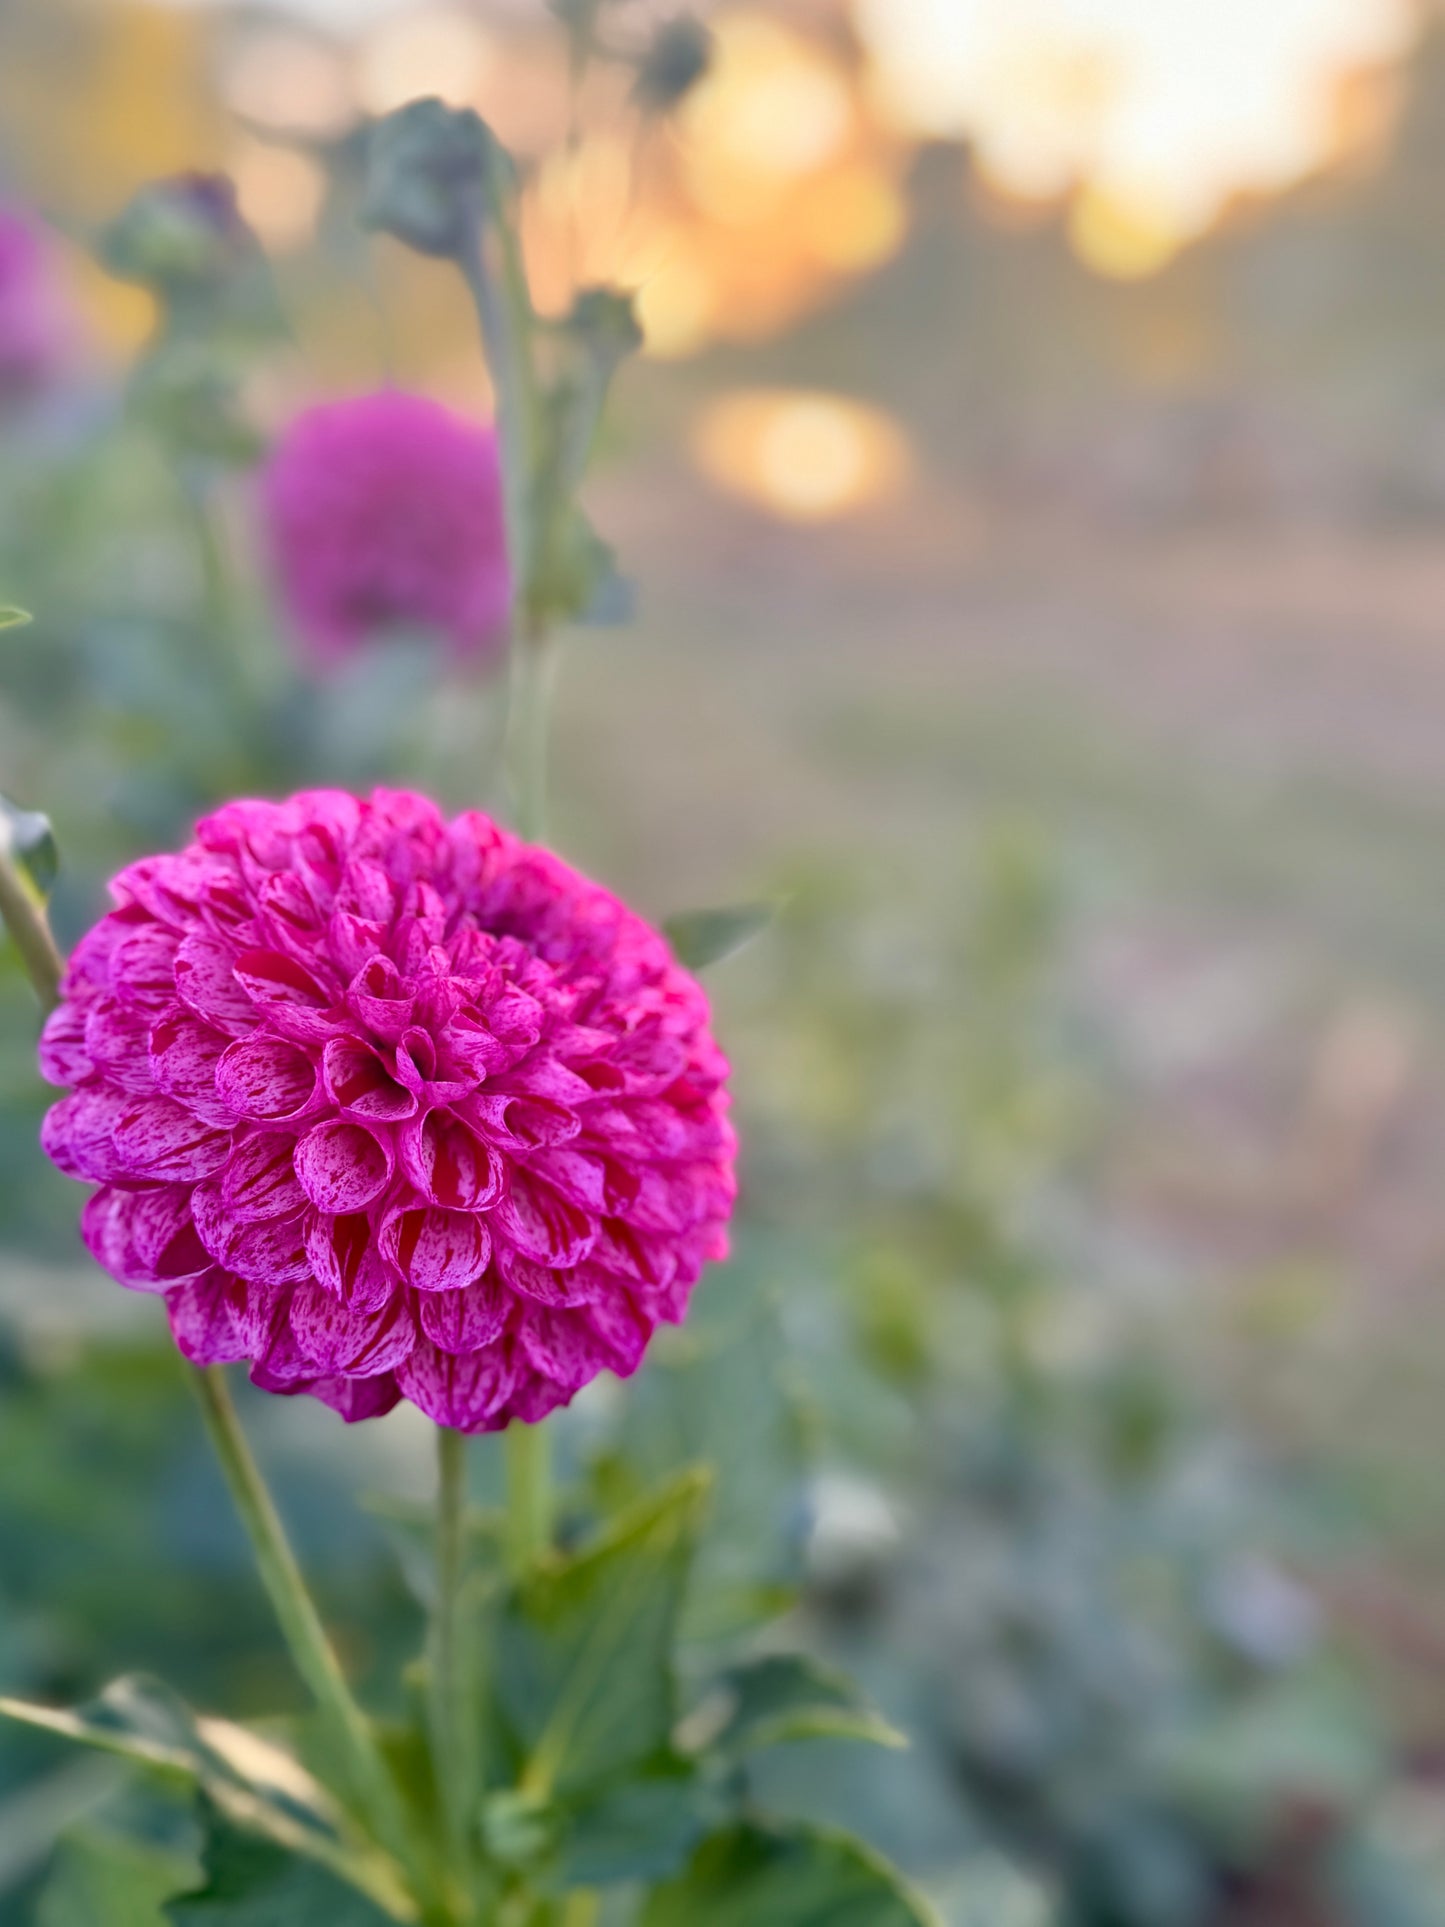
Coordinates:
(386, 512)
(37, 327)
(391, 1107)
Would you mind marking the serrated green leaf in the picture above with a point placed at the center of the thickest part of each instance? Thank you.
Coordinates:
(103, 1879)
(257, 1784)
(249, 1882)
(31, 843)
(761, 1876)
(12, 618)
(789, 1696)
(703, 937)
(584, 1646)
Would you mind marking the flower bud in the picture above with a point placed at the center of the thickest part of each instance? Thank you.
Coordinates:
(679, 57)
(182, 237)
(428, 169)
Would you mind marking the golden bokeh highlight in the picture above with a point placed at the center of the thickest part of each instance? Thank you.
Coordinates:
(441, 50)
(279, 191)
(1153, 115)
(289, 83)
(801, 454)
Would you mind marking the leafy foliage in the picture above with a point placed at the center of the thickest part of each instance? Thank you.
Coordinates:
(105, 1879)
(583, 1650)
(251, 1882)
(753, 1876)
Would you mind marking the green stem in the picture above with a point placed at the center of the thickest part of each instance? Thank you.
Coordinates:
(24, 915)
(301, 1626)
(504, 312)
(529, 705)
(450, 1703)
(529, 1494)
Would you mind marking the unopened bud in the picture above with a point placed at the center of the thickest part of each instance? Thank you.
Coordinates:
(428, 168)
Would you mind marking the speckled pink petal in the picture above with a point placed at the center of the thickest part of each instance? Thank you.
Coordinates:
(184, 1054)
(143, 1238)
(339, 1338)
(259, 1180)
(118, 1041)
(269, 977)
(143, 968)
(620, 1332)
(574, 1286)
(380, 997)
(206, 984)
(466, 1392)
(202, 1320)
(78, 1134)
(561, 1345)
(574, 1175)
(345, 1259)
(63, 1056)
(358, 1398)
(159, 1138)
(266, 1078)
(542, 1224)
(281, 1362)
(343, 1167)
(271, 1253)
(447, 1163)
(464, 1321)
(520, 1124)
(534, 1397)
(648, 1262)
(358, 1083)
(436, 1250)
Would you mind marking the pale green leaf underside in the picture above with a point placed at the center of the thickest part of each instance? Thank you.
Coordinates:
(256, 1784)
(703, 937)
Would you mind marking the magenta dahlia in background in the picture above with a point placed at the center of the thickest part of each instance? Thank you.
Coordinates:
(386, 512)
(391, 1107)
(37, 327)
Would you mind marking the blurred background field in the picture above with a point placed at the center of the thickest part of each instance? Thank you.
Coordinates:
(1035, 487)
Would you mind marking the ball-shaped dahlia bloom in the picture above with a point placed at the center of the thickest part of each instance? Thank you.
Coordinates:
(384, 513)
(391, 1107)
(37, 327)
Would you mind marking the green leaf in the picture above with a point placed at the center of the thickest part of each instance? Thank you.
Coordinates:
(103, 1879)
(31, 843)
(703, 937)
(12, 618)
(760, 1876)
(641, 1831)
(257, 1784)
(584, 1647)
(788, 1696)
(717, 1393)
(255, 1883)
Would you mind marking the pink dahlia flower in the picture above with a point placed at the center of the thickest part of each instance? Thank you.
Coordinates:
(391, 1107)
(386, 512)
(37, 329)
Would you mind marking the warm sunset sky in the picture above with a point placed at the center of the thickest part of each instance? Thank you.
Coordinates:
(1168, 104)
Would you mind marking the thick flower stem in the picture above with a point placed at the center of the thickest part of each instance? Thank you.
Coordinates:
(29, 927)
(450, 1702)
(529, 1494)
(301, 1625)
